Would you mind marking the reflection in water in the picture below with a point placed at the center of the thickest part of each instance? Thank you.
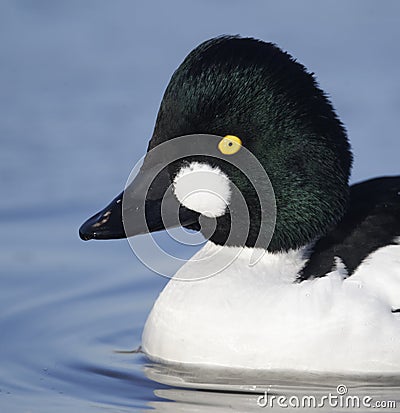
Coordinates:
(204, 389)
(79, 100)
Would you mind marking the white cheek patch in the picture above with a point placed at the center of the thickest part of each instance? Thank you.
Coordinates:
(203, 188)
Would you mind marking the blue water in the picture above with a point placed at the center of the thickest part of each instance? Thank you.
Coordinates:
(80, 87)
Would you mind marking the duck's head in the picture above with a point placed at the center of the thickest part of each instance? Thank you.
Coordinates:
(252, 98)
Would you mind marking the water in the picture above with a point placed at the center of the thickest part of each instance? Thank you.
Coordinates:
(80, 87)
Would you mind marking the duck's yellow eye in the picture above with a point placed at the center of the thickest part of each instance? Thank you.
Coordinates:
(229, 145)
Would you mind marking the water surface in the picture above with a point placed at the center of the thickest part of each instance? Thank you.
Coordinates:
(80, 85)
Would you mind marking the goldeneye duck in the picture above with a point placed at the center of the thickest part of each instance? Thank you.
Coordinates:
(324, 295)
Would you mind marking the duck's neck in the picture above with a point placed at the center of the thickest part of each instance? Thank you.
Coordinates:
(226, 264)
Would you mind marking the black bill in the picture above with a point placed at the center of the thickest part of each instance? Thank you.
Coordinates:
(146, 205)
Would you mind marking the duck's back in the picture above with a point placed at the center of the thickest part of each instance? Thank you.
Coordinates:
(372, 222)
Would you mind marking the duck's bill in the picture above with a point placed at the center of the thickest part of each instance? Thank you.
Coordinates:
(140, 209)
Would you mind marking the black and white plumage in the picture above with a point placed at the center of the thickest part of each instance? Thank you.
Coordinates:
(372, 221)
(325, 294)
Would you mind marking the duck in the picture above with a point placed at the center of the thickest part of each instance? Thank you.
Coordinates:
(300, 271)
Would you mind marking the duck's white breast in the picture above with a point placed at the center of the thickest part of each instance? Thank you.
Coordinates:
(258, 317)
